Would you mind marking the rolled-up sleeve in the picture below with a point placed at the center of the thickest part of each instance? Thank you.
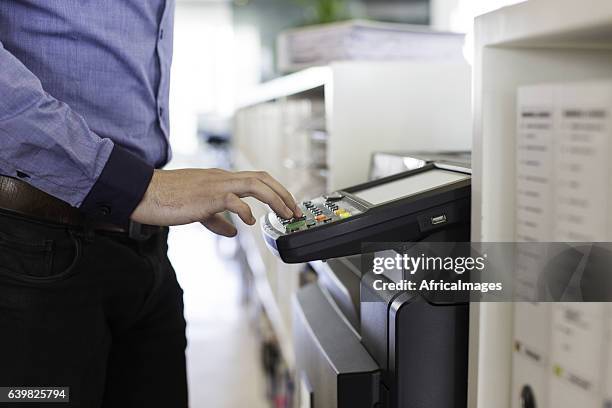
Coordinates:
(45, 143)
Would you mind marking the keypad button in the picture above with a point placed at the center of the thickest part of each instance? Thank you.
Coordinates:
(294, 226)
(333, 197)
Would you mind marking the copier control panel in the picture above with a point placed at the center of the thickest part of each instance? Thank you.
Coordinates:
(317, 212)
(403, 207)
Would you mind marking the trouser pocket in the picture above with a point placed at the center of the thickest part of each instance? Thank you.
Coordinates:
(32, 256)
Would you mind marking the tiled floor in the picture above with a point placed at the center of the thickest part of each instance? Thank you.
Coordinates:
(222, 356)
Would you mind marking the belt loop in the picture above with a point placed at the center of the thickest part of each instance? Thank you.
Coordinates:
(137, 232)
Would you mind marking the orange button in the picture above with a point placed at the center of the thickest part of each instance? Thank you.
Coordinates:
(321, 217)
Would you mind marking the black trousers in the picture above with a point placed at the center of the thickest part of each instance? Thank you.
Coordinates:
(94, 311)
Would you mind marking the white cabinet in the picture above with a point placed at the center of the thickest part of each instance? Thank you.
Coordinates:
(536, 42)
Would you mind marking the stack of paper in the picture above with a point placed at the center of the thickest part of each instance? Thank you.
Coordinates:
(362, 40)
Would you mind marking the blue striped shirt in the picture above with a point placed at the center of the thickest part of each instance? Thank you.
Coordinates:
(84, 98)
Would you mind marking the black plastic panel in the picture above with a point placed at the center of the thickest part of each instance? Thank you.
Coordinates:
(329, 356)
(342, 279)
(428, 354)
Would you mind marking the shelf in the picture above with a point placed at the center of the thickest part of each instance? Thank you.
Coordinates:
(293, 84)
(549, 23)
(515, 46)
(367, 106)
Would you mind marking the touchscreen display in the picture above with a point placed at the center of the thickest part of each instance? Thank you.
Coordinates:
(411, 185)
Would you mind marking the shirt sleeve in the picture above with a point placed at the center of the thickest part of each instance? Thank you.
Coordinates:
(48, 145)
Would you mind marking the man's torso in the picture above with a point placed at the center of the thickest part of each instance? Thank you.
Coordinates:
(109, 60)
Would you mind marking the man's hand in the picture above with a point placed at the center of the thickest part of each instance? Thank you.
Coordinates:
(177, 197)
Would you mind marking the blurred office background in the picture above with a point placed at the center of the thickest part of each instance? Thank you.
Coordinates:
(228, 109)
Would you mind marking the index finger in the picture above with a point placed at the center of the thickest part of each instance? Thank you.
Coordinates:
(279, 189)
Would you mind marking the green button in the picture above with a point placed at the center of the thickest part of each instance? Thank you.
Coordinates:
(295, 226)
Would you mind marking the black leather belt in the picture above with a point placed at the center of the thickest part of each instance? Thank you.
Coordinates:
(21, 198)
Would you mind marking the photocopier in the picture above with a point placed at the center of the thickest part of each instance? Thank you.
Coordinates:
(358, 347)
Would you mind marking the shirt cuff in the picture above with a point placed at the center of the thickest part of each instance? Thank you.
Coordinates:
(119, 189)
